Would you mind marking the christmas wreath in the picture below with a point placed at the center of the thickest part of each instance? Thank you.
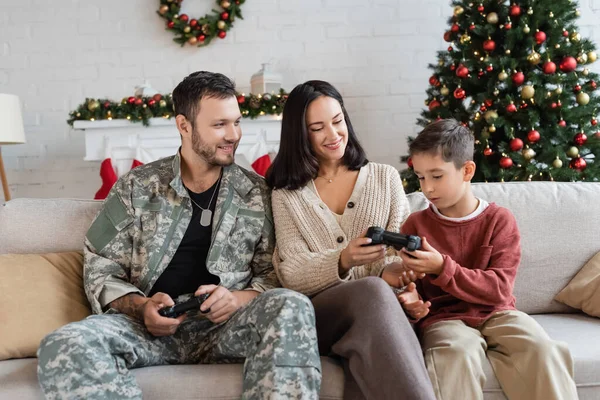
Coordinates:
(141, 109)
(202, 30)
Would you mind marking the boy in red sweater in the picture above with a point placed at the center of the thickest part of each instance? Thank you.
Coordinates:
(470, 255)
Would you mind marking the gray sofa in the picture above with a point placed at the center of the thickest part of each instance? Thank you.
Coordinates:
(560, 227)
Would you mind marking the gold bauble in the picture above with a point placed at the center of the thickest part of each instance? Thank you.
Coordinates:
(496, 92)
(551, 14)
(492, 18)
(192, 40)
(404, 183)
(225, 4)
(445, 91)
(490, 116)
(465, 38)
(162, 103)
(502, 76)
(477, 117)
(586, 71)
(582, 58)
(575, 36)
(573, 151)
(528, 153)
(507, 52)
(492, 128)
(558, 90)
(527, 92)
(549, 94)
(187, 29)
(534, 58)
(458, 10)
(441, 63)
(577, 13)
(592, 56)
(93, 105)
(583, 98)
(557, 46)
(163, 9)
(221, 25)
(530, 11)
(526, 29)
(557, 163)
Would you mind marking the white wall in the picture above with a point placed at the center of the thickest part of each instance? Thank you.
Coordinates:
(54, 53)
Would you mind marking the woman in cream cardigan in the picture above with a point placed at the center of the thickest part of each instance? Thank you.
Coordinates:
(326, 194)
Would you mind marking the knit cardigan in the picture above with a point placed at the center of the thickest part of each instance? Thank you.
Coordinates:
(310, 239)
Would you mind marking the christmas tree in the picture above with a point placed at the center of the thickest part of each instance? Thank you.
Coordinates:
(517, 74)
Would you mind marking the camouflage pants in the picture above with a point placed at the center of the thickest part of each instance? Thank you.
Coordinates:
(275, 334)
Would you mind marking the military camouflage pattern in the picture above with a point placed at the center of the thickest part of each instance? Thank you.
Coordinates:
(135, 235)
(275, 334)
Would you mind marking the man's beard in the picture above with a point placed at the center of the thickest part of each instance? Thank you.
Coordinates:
(209, 153)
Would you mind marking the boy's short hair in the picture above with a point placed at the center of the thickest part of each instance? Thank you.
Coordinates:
(448, 138)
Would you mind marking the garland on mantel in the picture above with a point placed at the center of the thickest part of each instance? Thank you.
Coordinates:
(141, 109)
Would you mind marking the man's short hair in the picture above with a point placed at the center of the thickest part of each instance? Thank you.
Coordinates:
(195, 87)
(447, 137)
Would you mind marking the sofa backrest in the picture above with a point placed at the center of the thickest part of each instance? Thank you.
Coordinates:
(45, 225)
(560, 231)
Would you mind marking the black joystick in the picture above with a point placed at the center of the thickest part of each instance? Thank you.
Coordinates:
(178, 309)
(397, 240)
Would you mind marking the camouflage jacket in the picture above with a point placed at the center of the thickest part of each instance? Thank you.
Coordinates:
(143, 219)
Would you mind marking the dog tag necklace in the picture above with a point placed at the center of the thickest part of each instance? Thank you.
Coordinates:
(206, 215)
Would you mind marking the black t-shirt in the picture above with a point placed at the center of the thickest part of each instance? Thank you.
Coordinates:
(187, 270)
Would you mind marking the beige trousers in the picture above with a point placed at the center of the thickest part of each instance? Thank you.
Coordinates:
(528, 364)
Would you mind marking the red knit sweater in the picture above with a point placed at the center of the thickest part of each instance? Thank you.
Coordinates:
(481, 257)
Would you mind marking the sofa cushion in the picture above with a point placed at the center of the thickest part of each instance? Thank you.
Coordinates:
(583, 292)
(45, 225)
(38, 294)
(559, 229)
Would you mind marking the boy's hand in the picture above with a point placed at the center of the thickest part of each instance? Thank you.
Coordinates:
(427, 260)
(412, 303)
(396, 275)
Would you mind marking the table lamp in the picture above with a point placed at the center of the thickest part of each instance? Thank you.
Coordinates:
(11, 131)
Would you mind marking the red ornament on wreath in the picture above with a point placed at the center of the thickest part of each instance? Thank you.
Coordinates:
(593, 84)
(462, 71)
(489, 45)
(448, 36)
(433, 81)
(131, 100)
(487, 152)
(170, 24)
(549, 67)
(580, 139)
(459, 93)
(151, 102)
(455, 28)
(225, 16)
(506, 162)
(222, 34)
(515, 10)
(533, 136)
(434, 104)
(107, 104)
(540, 37)
(193, 23)
(157, 97)
(409, 162)
(568, 64)
(518, 78)
(511, 108)
(516, 144)
(138, 101)
(241, 99)
(184, 18)
(578, 164)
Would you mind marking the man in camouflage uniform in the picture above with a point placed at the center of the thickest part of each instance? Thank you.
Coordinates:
(142, 251)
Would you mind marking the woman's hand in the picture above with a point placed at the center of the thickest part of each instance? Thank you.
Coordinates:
(359, 253)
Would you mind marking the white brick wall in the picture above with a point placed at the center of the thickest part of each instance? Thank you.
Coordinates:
(55, 53)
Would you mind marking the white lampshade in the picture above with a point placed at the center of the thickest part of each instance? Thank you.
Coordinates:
(11, 121)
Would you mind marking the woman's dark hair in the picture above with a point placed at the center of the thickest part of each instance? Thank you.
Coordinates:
(296, 164)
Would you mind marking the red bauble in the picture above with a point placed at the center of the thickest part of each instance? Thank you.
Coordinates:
(511, 108)
(184, 18)
(577, 88)
(450, 49)
(170, 24)
(138, 102)
(462, 71)
(409, 162)
(549, 67)
(565, 33)
(434, 104)
(523, 106)
(578, 163)
(157, 97)
(151, 102)
(489, 68)
(107, 104)
(448, 36)
(515, 10)
(455, 28)
(488, 102)
(480, 74)
(580, 139)
(452, 67)
(562, 123)
(201, 38)
(222, 34)
(568, 64)
(516, 144)
(241, 99)
(540, 37)
(489, 45)
(518, 78)
(508, 26)
(193, 23)
(483, 108)
(433, 81)
(459, 93)
(553, 105)
(472, 27)
(593, 84)
(480, 8)
(224, 15)
(487, 152)
(533, 136)
(506, 162)
(594, 122)
(131, 100)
